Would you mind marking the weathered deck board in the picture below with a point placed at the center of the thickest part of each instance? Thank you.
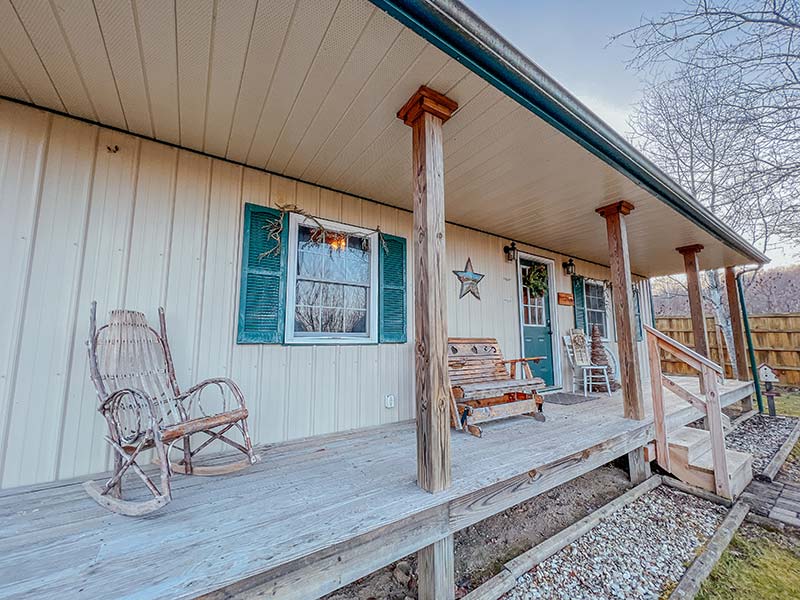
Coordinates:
(313, 515)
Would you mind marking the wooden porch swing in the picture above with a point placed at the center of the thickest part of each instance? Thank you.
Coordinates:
(132, 370)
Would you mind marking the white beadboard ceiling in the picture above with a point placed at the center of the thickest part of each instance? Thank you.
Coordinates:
(310, 89)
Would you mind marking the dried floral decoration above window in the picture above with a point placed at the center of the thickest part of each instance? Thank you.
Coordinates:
(319, 234)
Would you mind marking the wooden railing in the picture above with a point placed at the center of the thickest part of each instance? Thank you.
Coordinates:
(709, 404)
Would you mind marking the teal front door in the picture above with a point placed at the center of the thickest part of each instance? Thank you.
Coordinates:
(537, 333)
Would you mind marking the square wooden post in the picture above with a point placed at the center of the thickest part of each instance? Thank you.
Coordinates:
(625, 319)
(436, 571)
(425, 112)
(739, 352)
(695, 303)
(695, 296)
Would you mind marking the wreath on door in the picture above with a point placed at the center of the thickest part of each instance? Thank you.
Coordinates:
(535, 279)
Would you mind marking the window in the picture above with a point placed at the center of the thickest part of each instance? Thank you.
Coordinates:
(332, 293)
(596, 307)
(349, 288)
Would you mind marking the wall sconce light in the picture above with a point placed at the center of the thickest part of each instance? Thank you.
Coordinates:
(511, 252)
(569, 267)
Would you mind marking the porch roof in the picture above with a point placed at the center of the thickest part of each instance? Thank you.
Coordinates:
(310, 90)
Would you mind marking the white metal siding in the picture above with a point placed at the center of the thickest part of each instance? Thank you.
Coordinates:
(149, 225)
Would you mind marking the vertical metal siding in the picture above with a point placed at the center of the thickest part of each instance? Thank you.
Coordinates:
(149, 225)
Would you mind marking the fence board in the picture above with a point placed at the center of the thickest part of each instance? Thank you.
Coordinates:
(776, 339)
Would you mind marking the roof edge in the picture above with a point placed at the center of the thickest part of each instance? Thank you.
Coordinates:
(463, 35)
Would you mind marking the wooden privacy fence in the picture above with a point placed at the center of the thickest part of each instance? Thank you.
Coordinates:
(776, 339)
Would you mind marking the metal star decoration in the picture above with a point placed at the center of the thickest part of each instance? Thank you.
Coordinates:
(469, 281)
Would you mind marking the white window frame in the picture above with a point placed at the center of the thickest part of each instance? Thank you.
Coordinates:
(607, 301)
(371, 337)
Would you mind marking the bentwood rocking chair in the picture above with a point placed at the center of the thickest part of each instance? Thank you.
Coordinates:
(132, 370)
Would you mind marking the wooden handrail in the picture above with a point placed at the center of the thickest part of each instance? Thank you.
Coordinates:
(685, 353)
(710, 405)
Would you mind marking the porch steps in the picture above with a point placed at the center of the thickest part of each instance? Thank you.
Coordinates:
(691, 460)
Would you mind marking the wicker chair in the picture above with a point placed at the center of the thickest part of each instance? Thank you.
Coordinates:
(590, 374)
(132, 370)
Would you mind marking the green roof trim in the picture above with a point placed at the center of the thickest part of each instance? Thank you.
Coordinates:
(460, 33)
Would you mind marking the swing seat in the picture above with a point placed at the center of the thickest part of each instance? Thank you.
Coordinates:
(484, 386)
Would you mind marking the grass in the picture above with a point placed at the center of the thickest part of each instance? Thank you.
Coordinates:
(759, 564)
(757, 569)
(787, 404)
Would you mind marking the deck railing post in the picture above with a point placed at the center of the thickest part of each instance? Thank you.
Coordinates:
(657, 390)
(714, 419)
(625, 319)
(425, 112)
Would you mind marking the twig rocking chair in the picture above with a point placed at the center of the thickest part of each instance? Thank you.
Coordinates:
(132, 370)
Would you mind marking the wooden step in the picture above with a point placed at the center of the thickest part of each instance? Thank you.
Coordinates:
(700, 471)
(736, 460)
(740, 468)
(688, 443)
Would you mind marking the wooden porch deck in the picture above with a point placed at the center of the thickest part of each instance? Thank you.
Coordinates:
(313, 515)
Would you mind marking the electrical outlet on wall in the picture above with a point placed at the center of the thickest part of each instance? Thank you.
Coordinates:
(388, 400)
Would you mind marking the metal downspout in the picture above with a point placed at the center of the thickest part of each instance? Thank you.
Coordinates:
(750, 350)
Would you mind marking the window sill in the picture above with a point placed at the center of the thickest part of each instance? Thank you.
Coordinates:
(333, 341)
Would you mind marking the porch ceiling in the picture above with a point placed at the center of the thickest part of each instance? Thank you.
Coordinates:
(309, 89)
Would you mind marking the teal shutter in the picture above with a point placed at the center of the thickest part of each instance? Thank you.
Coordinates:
(262, 296)
(580, 302)
(392, 290)
(637, 307)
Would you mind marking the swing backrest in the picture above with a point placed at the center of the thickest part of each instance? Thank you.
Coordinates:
(128, 353)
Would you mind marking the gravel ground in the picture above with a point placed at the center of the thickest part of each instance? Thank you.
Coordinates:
(762, 436)
(637, 552)
(481, 549)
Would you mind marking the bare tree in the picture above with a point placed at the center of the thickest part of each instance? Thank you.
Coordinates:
(712, 149)
(720, 114)
(750, 43)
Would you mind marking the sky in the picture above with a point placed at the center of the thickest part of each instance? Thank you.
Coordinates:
(570, 40)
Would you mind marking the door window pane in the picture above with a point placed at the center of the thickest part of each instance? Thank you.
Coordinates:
(533, 312)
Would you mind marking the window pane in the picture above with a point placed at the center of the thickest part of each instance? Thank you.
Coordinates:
(306, 319)
(358, 260)
(331, 320)
(309, 264)
(335, 264)
(307, 293)
(310, 293)
(355, 297)
(597, 318)
(355, 321)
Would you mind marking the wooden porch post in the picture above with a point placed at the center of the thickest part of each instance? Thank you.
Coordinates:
(695, 296)
(425, 112)
(739, 352)
(625, 319)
